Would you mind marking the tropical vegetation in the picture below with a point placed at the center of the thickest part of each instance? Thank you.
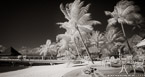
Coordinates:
(125, 12)
(80, 39)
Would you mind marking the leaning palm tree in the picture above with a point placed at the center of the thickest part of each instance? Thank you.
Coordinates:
(78, 19)
(124, 12)
(72, 35)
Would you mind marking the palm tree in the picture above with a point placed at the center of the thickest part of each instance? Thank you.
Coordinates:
(45, 48)
(53, 50)
(78, 20)
(124, 12)
(97, 38)
(112, 37)
(65, 43)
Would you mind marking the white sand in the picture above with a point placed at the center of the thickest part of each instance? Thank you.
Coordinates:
(41, 71)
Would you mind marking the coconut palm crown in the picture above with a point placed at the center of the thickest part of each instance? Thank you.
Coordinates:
(113, 35)
(77, 15)
(124, 12)
(45, 48)
(96, 38)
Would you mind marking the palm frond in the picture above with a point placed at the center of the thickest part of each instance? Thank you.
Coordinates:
(66, 14)
(75, 10)
(134, 17)
(123, 4)
(128, 21)
(64, 41)
(111, 21)
(108, 13)
(48, 42)
(68, 9)
(83, 10)
(120, 39)
(81, 4)
(112, 34)
(63, 45)
(96, 37)
(130, 9)
(86, 20)
(45, 48)
(85, 17)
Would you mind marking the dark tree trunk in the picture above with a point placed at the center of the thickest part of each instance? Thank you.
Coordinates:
(87, 50)
(126, 38)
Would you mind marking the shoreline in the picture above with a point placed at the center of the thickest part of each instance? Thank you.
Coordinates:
(41, 71)
(65, 70)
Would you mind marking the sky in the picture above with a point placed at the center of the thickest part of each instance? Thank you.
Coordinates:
(31, 22)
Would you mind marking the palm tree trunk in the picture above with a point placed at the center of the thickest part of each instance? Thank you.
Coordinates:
(87, 50)
(126, 38)
(77, 49)
(42, 57)
(120, 56)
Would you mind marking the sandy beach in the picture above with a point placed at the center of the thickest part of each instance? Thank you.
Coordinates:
(41, 71)
(63, 70)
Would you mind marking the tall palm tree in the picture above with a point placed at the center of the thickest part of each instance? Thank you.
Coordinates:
(124, 12)
(78, 19)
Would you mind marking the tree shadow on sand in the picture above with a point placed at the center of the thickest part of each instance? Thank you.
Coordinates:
(7, 67)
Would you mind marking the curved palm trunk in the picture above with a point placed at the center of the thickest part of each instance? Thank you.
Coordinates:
(87, 50)
(77, 49)
(126, 38)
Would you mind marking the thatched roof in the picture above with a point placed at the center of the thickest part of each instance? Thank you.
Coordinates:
(10, 52)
